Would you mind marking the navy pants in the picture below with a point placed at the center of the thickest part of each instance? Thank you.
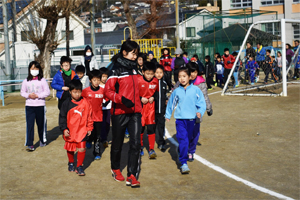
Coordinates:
(37, 114)
(96, 137)
(105, 125)
(186, 137)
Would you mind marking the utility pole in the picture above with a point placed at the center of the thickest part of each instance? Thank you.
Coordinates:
(177, 23)
(92, 13)
(14, 13)
(6, 44)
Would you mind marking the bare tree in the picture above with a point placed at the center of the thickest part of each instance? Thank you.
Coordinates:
(130, 20)
(154, 16)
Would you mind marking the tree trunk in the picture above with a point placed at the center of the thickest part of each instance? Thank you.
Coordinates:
(154, 19)
(131, 22)
(68, 34)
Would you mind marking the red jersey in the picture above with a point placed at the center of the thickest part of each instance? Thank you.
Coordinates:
(226, 59)
(95, 97)
(76, 116)
(147, 90)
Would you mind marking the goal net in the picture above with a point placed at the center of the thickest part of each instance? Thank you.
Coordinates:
(270, 66)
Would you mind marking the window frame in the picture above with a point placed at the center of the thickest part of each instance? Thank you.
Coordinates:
(272, 2)
(63, 35)
(296, 34)
(190, 31)
(239, 5)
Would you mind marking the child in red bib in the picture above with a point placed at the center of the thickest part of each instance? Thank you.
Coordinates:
(148, 85)
(75, 120)
(94, 94)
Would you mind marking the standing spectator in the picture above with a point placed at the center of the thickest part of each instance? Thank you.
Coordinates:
(268, 65)
(296, 46)
(219, 69)
(237, 68)
(151, 57)
(209, 73)
(199, 63)
(185, 54)
(260, 58)
(289, 53)
(89, 60)
(165, 61)
(178, 62)
(251, 67)
(249, 51)
(228, 60)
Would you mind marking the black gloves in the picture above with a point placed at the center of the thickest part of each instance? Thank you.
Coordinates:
(228, 62)
(127, 102)
(105, 104)
(209, 113)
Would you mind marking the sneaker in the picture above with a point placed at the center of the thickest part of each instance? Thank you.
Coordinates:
(131, 181)
(237, 86)
(71, 167)
(126, 135)
(142, 152)
(216, 84)
(252, 83)
(191, 157)
(79, 171)
(30, 148)
(105, 144)
(42, 144)
(210, 89)
(184, 169)
(152, 154)
(257, 79)
(161, 147)
(88, 145)
(97, 157)
(117, 175)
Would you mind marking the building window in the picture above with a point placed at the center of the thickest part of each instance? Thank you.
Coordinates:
(271, 2)
(190, 32)
(0, 35)
(273, 28)
(240, 3)
(63, 35)
(297, 32)
(25, 35)
(296, 1)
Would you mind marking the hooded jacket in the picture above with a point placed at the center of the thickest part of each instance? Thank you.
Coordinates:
(123, 82)
(92, 59)
(260, 54)
(58, 82)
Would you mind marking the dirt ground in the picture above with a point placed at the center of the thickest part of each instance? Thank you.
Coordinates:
(255, 138)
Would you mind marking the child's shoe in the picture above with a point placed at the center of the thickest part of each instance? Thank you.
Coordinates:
(252, 83)
(30, 148)
(97, 157)
(191, 157)
(71, 167)
(105, 144)
(152, 154)
(161, 147)
(184, 169)
(117, 175)
(131, 181)
(80, 171)
(210, 89)
(42, 145)
(88, 145)
(142, 152)
(216, 84)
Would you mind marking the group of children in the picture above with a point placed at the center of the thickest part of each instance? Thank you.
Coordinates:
(132, 95)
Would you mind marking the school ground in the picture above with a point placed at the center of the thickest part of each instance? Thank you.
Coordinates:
(254, 141)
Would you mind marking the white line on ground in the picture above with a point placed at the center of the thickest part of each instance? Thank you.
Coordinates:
(226, 173)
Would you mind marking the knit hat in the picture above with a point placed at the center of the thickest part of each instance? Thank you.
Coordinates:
(150, 52)
(178, 51)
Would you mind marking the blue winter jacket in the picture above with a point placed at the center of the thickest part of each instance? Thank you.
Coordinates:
(189, 101)
(260, 55)
(58, 82)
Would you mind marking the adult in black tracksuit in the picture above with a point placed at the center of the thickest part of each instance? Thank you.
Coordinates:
(123, 90)
(209, 72)
(160, 99)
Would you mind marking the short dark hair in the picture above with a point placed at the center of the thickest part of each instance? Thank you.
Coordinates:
(192, 66)
(184, 69)
(142, 55)
(185, 53)
(95, 73)
(37, 65)
(297, 41)
(149, 66)
(273, 56)
(234, 54)
(251, 55)
(268, 50)
(217, 54)
(207, 57)
(158, 66)
(219, 57)
(65, 59)
(80, 68)
(75, 84)
(248, 42)
(258, 43)
(226, 49)
(104, 70)
(195, 56)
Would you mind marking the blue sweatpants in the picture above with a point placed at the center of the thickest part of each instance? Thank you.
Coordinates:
(185, 134)
(37, 114)
(252, 75)
(194, 140)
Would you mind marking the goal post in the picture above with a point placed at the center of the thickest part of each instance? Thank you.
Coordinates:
(284, 64)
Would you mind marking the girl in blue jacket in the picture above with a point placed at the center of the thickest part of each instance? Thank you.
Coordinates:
(190, 104)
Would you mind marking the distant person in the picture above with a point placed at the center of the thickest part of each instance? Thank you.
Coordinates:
(75, 121)
(279, 63)
(251, 67)
(141, 59)
(260, 58)
(199, 63)
(268, 65)
(89, 60)
(151, 57)
(209, 72)
(228, 63)
(237, 70)
(189, 103)
(249, 51)
(35, 89)
(165, 61)
(185, 54)
(219, 70)
(289, 53)
(62, 79)
(178, 62)
(80, 71)
(94, 95)
(296, 46)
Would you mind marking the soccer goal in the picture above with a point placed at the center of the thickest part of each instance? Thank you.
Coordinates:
(273, 76)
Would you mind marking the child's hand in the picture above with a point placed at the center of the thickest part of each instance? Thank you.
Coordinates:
(66, 133)
(151, 99)
(167, 102)
(144, 100)
(168, 120)
(32, 96)
(198, 115)
(65, 88)
(89, 133)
